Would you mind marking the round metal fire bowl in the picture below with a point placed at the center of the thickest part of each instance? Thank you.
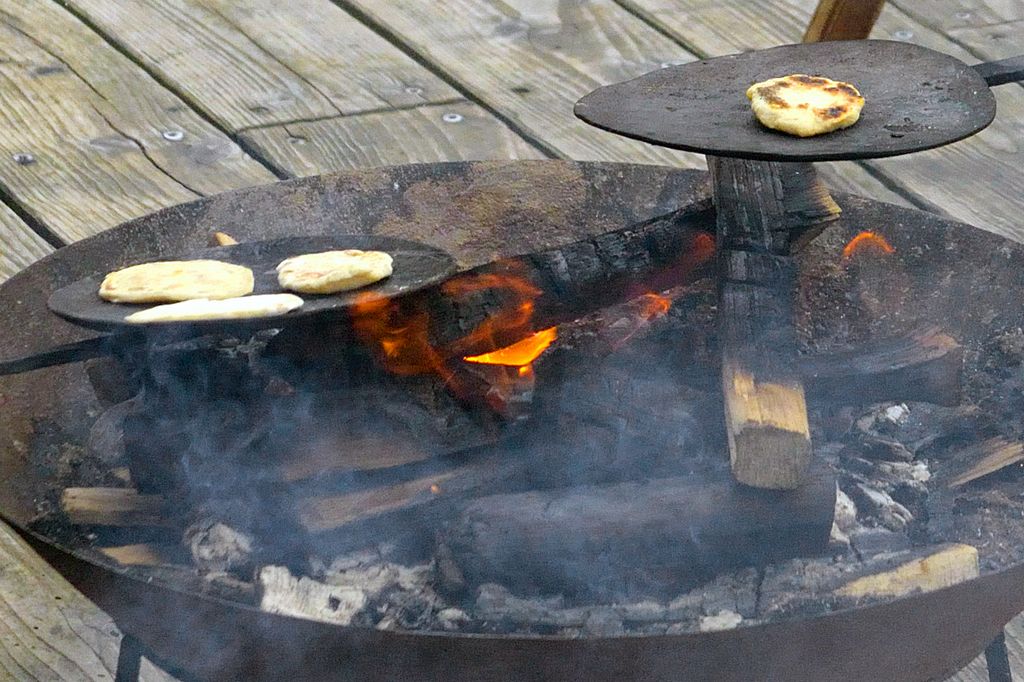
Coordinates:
(477, 212)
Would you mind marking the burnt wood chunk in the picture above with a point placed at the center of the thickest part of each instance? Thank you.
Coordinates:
(765, 407)
(924, 365)
(635, 538)
(983, 459)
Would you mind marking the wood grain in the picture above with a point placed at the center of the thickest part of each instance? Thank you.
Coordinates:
(48, 631)
(971, 180)
(531, 60)
(948, 16)
(94, 124)
(842, 19)
(19, 245)
(448, 132)
(265, 62)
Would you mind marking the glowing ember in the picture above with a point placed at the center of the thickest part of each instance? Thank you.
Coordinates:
(435, 488)
(519, 354)
(867, 241)
(653, 306)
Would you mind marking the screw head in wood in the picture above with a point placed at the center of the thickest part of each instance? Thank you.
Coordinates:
(903, 34)
(23, 158)
(413, 90)
(173, 135)
(451, 117)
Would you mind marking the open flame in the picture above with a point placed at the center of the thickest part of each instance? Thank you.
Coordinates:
(867, 241)
(653, 306)
(519, 354)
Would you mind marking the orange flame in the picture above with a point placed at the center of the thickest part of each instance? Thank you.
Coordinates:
(653, 306)
(519, 354)
(399, 338)
(864, 241)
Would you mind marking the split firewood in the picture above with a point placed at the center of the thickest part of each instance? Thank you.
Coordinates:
(933, 569)
(222, 239)
(791, 586)
(114, 507)
(143, 554)
(669, 534)
(765, 407)
(988, 457)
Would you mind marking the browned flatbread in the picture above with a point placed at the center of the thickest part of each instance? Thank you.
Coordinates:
(805, 105)
(172, 281)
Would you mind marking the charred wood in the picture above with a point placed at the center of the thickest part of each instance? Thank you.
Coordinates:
(924, 365)
(635, 538)
(984, 459)
(497, 304)
(765, 407)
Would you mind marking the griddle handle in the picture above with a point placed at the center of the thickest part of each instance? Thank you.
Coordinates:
(1008, 70)
(87, 349)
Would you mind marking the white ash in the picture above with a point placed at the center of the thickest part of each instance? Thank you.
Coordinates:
(217, 547)
(284, 594)
(723, 620)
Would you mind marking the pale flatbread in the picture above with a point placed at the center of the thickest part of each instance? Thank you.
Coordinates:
(333, 271)
(180, 280)
(805, 105)
(224, 309)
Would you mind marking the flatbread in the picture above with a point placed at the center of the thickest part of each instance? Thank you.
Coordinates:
(805, 105)
(242, 307)
(181, 280)
(333, 271)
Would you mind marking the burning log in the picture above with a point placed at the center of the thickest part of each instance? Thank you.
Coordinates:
(501, 303)
(607, 541)
(114, 507)
(765, 407)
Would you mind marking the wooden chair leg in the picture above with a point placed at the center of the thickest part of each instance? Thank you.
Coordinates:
(843, 20)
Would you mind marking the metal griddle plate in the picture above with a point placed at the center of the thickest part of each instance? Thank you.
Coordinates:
(915, 99)
(415, 267)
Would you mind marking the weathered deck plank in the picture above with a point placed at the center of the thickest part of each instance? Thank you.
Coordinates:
(531, 60)
(956, 179)
(94, 124)
(431, 133)
(20, 246)
(265, 62)
(48, 630)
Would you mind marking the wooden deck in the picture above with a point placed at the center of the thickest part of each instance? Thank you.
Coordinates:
(110, 109)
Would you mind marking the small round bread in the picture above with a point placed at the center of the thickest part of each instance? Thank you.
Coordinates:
(180, 280)
(242, 307)
(805, 105)
(332, 271)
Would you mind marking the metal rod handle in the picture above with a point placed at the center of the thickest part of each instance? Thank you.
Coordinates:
(1008, 70)
(98, 346)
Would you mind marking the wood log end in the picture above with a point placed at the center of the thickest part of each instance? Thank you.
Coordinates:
(222, 239)
(769, 435)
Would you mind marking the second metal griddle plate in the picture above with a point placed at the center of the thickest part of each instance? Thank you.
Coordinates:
(415, 266)
(915, 99)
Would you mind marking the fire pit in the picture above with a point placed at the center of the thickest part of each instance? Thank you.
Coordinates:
(352, 522)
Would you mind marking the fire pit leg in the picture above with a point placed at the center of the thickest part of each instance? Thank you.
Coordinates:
(998, 660)
(129, 663)
(129, 660)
